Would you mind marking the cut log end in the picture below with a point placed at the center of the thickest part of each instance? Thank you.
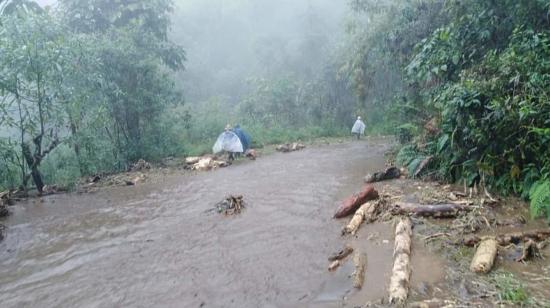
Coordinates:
(484, 257)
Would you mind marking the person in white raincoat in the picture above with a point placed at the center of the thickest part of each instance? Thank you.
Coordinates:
(229, 142)
(358, 128)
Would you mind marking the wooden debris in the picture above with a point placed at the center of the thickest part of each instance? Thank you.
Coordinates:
(140, 165)
(448, 210)
(388, 174)
(192, 160)
(352, 203)
(485, 255)
(360, 262)
(290, 147)
(251, 154)
(334, 265)
(2, 231)
(512, 238)
(367, 212)
(422, 165)
(530, 250)
(208, 163)
(401, 273)
(137, 179)
(231, 205)
(341, 254)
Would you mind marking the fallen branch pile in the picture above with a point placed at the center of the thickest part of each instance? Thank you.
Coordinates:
(231, 205)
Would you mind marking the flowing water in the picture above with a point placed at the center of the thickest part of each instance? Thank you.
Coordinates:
(156, 244)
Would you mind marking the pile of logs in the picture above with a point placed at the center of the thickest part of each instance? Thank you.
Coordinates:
(205, 163)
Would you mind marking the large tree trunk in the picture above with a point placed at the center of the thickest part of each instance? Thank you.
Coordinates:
(33, 166)
(514, 237)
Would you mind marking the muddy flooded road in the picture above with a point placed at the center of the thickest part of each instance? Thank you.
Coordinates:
(156, 244)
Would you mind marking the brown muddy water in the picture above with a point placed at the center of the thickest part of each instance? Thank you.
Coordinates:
(154, 245)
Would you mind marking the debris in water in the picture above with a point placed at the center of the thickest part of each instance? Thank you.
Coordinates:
(231, 205)
(401, 273)
(2, 230)
(367, 212)
(334, 265)
(341, 254)
(484, 257)
(352, 203)
(360, 262)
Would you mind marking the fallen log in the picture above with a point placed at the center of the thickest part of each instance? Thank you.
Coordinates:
(401, 273)
(367, 212)
(388, 174)
(511, 238)
(447, 210)
(352, 203)
(360, 262)
(341, 254)
(484, 257)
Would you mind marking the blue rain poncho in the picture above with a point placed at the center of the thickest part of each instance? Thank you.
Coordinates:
(243, 136)
(358, 127)
(228, 141)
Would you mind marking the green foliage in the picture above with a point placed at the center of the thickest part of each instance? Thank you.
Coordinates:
(510, 290)
(540, 199)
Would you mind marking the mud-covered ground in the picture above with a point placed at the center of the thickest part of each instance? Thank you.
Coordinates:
(157, 244)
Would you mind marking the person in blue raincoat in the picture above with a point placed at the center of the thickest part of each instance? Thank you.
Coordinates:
(243, 136)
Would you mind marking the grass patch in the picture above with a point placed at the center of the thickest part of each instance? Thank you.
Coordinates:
(510, 289)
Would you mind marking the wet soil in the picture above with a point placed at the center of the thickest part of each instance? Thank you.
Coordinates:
(156, 244)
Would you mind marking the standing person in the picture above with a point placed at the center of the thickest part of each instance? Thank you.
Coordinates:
(358, 128)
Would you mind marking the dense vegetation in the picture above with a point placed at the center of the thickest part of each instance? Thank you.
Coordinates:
(474, 92)
(93, 85)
